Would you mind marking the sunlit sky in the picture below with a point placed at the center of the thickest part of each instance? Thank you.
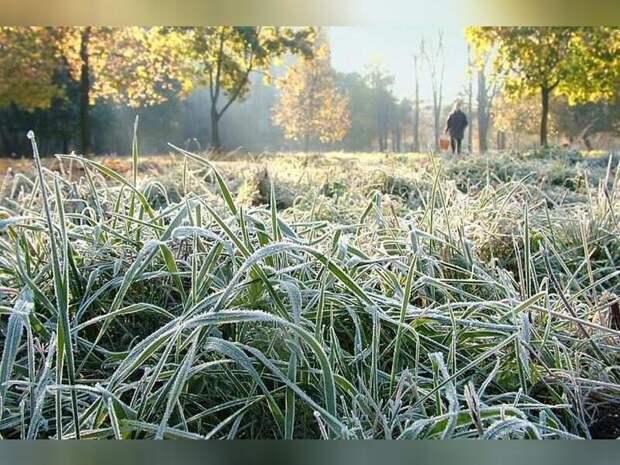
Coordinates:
(353, 48)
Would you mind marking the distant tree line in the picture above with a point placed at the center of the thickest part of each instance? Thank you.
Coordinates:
(48, 71)
(80, 88)
(273, 88)
(578, 66)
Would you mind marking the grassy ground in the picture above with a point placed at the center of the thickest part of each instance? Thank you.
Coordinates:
(309, 296)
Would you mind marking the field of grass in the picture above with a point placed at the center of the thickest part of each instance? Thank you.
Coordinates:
(311, 296)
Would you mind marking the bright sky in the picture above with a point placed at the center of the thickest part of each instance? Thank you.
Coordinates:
(393, 46)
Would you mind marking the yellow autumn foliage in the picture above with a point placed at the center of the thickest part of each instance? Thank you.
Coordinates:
(311, 106)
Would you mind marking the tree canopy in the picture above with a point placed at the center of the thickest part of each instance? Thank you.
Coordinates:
(223, 58)
(81, 86)
(311, 106)
(28, 64)
(128, 65)
(580, 63)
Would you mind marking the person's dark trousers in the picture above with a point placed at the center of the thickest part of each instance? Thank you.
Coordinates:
(456, 145)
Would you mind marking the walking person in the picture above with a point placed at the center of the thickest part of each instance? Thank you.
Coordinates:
(455, 127)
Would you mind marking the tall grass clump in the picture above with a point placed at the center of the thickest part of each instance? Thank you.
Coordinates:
(129, 313)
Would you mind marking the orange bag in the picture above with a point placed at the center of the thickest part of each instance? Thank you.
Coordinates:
(444, 143)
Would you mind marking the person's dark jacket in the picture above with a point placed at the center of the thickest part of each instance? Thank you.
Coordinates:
(457, 122)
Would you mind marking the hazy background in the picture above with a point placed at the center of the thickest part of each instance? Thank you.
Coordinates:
(248, 124)
(372, 67)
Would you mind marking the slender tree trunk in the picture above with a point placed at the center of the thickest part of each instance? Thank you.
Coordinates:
(501, 140)
(436, 117)
(436, 125)
(437, 103)
(380, 128)
(483, 130)
(470, 92)
(544, 118)
(216, 142)
(395, 141)
(483, 113)
(7, 148)
(385, 137)
(517, 141)
(440, 91)
(470, 133)
(382, 140)
(85, 140)
(437, 76)
(7, 145)
(416, 112)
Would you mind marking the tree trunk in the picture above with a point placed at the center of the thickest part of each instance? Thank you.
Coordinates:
(470, 96)
(8, 147)
(501, 140)
(416, 113)
(483, 113)
(382, 146)
(436, 126)
(216, 142)
(470, 134)
(483, 129)
(544, 117)
(436, 117)
(437, 88)
(385, 139)
(85, 93)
